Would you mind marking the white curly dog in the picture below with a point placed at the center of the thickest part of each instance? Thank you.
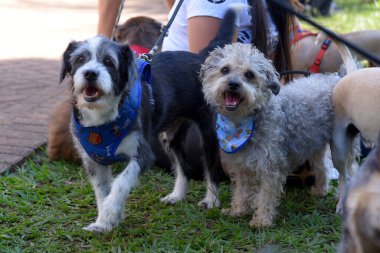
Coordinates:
(282, 131)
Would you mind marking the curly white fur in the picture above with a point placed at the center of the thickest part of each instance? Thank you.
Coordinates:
(291, 128)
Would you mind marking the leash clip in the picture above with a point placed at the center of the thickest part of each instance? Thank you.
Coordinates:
(146, 57)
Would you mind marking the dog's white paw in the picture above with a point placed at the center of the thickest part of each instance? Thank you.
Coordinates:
(98, 227)
(259, 222)
(171, 199)
(208, 203)
(319, 191)
(109, 217)
(235, 212)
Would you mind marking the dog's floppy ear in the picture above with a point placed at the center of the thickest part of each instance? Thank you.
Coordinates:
(127, 71)
(66, 67)
(273, 82)
(127, 54)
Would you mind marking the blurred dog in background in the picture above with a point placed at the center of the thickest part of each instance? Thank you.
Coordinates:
(324, 56)
(361, 208)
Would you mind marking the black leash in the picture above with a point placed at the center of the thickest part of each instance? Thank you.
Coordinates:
(286, 6)
(296, 72)
(117, 18)
(164, 32)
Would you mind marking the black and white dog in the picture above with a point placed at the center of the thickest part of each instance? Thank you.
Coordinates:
(116, 111)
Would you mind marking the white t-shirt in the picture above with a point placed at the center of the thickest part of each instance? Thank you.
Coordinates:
(177, 38)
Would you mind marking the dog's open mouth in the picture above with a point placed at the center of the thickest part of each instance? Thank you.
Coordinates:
(91, 93)
(232, 100)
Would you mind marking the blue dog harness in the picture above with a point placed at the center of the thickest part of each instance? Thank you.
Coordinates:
(233, 136)
(101, 142)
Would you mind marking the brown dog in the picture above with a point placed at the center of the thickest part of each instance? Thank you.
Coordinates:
(361, 213)
(305, 51)
(60, 142)
(357, 110)
(138, 31)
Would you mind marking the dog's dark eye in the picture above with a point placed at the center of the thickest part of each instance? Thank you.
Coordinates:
(80, 60)
(249, 75)
(225, 70)
(108, 62)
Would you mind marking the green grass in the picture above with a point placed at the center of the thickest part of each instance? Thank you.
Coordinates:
(353, 16)
(45, 205)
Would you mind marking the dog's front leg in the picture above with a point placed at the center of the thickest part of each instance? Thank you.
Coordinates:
(267, 200)
(240, 197)
(111, 210)
(100, 177)
(211, 163)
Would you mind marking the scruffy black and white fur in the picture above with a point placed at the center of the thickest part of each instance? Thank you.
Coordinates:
(291, 127)
(101, 74)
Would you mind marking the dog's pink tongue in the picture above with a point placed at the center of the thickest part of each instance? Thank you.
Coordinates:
(231, 100)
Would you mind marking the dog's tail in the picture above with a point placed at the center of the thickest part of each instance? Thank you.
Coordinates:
(227, 30)
(348, 60)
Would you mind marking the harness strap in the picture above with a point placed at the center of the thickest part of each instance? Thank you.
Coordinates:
(300, 34)
(317, 63)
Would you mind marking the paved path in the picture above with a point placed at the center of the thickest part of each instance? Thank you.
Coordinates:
(34, 35)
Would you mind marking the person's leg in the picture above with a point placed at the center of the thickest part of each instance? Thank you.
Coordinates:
(107, 11)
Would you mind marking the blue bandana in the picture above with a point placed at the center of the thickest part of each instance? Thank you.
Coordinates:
(101, 142)
(233, 136)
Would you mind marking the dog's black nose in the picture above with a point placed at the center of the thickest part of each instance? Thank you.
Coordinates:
(233, 86)
(90, 75)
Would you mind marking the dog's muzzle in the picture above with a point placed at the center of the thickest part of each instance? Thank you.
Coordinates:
(232, 97)
(90, 91)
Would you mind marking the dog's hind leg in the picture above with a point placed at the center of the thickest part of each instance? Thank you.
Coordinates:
(212, 164)
(317, 164)
(211, 199)
(171, 141)
(342, 153)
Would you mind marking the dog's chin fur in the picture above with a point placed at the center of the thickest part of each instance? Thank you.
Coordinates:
(100, 112)
(290, 128)
(361, 208)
